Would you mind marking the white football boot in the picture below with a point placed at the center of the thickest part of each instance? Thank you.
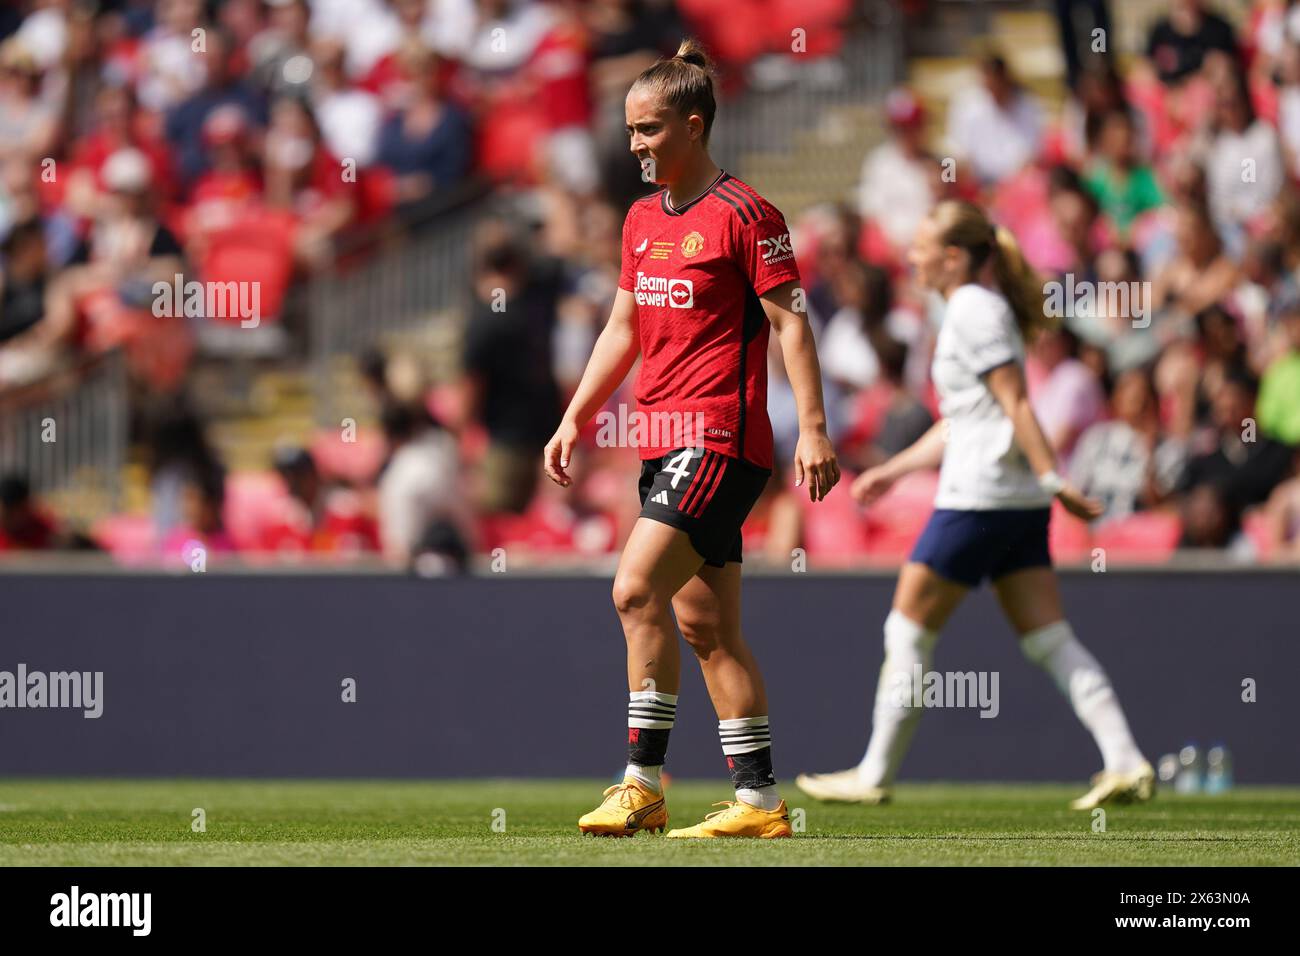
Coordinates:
(844, 786)
(1134, 786)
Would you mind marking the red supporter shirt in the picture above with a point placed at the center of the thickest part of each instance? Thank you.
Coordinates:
(697, 272)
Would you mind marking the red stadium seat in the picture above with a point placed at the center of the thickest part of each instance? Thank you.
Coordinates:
(896, 520)
(1068, 538)
(834, 529)
(732, 30)
(259, 248)
(1145, 536)
(821, 21)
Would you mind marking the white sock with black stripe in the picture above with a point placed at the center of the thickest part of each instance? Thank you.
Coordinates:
(650, 717)
(747, 745)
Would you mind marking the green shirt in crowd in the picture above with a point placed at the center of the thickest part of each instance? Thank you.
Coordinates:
(1124, 196)
(1278, 408)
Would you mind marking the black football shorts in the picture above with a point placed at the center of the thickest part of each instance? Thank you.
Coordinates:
(704, 493)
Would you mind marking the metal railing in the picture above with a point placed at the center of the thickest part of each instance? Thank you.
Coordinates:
(403, 281)
(68, 434)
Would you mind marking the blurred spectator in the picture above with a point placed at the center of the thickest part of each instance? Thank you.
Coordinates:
(201, 533)
(231, 185)
(177, 453)
(172, 58)
(24, 525)
(995, 126)
(1119, 325)
(22, 279)
(627, 37)
(44, 32)
(834, 231)
(886, 417)
(303, 177)
(1288, 119)
(316, 518)
(187, 122)
(864, 300)
(595, 260)
(421, 503)
(1201, 272)
(1279, 393)
(1179, 43)
(896, 189)
(1076, 44)
(1244, 167)
(1099, 92)
(1125, 463)
(1065, 393)
(119, 125)
(349, 117)
(559, 72)
(28, 124)
(427, 142)
(1057, 218)
(1220, 353)
(1282, 516)
(20, 202)
(1073, 213)
(1241, 465)
(1209, 521)
(496, 65)
(1267, 293)
(509, 379)
(278, 55)
(1124, 186)
(442, 26)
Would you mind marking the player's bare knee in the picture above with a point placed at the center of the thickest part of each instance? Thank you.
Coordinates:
(633, 595)
(702, 632)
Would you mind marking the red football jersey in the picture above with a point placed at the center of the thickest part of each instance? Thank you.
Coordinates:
(697, 272)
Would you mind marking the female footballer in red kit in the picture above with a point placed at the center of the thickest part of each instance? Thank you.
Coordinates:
(707, 270)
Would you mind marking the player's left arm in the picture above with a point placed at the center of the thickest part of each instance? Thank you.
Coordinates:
(814, 456)
(1007, 384)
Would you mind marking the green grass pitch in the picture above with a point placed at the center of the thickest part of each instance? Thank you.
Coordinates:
(507, 822)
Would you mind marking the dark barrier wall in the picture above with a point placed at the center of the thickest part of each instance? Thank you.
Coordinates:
(241, 675)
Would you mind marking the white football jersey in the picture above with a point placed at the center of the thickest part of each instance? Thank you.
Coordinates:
(983, 467)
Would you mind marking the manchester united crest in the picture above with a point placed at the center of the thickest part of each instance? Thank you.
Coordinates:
(692, 245)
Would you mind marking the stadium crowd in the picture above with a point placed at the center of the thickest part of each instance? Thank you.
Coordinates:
(1164, 203)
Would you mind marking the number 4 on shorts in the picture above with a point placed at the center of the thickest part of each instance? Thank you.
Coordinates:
(677, 467)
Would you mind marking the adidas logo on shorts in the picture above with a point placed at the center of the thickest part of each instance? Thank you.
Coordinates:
(661, 498)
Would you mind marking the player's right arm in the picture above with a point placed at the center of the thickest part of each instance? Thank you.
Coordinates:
(612, 358)
(924, 454)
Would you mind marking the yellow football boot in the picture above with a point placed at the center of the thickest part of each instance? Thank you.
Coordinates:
(628, 808)
(739, 819)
